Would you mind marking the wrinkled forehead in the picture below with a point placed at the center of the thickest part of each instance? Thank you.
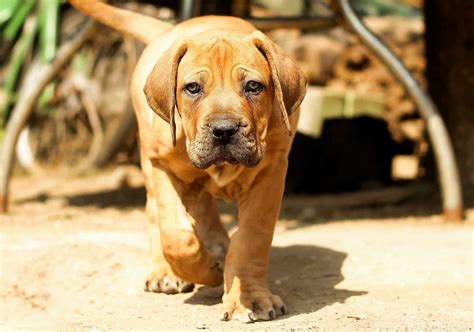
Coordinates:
(224, 54)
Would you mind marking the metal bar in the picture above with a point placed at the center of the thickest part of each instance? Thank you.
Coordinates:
(189, 8)
(305, 23)
(267, 23)
(438, 135)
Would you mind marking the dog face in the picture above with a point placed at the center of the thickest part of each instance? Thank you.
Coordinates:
(225, 88)
(225, 99)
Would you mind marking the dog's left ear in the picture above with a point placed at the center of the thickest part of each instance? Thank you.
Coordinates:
(160, 86)
(288, 80)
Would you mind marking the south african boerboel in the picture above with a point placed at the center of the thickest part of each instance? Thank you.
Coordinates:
(217, 104)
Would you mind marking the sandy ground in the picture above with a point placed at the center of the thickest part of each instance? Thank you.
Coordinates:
(74, 257)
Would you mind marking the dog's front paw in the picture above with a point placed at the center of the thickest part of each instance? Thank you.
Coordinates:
(162, 280)
(249, 307)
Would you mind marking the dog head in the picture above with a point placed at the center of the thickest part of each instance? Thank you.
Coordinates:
(225, 88)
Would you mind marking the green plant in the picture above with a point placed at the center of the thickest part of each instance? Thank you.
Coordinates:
(21, 21)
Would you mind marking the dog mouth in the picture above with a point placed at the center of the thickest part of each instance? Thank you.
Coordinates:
(240, 151)
(222, 160)
(226, 156)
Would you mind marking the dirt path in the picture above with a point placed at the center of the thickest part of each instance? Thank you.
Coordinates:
(74, 256)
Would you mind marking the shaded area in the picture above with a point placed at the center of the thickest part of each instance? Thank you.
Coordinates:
(122, 197)
(450, 71)
(419, 199)
(304, 276)
(350, 155)
(123, 189)
(387, 202)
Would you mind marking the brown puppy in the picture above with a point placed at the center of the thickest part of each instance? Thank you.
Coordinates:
(223, 93)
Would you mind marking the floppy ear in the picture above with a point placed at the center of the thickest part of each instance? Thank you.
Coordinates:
(288, 80)
(160, 86)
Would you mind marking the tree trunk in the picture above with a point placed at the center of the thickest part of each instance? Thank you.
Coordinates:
(450, 72)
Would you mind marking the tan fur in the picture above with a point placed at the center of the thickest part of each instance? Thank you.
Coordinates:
(188, 242)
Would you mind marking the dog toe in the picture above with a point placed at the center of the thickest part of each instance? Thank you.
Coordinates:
(162, 281)
(249, 307)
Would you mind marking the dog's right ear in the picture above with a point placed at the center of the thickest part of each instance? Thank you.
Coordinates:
(160, 86)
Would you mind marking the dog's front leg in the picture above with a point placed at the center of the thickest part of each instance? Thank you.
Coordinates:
(178, 221)
(247, 297)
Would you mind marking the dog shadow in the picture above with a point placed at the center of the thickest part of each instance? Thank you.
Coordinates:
(304, 276)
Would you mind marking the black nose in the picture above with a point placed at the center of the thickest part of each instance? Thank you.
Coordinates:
(223, 130)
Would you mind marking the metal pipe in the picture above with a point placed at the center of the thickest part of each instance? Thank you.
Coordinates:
(189, 8)
(438, 135)
(267, 23)
(305, 23)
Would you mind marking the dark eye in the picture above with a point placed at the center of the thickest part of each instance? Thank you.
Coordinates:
(253, 87)
(192, 88)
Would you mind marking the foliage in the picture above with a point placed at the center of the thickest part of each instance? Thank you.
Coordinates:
(21, 22)
(384, 7)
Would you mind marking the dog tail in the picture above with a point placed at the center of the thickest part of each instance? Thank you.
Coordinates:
(141, 27)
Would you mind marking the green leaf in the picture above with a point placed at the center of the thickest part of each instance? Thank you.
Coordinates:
(22, 46)
(15, 23)
(7, 7)
(46, 95)
(49, 13)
